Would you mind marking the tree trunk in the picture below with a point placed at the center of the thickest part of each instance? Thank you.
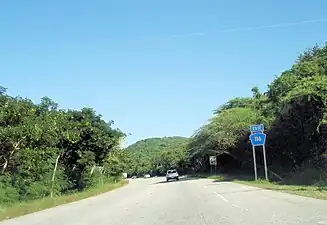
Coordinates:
(4, 166)
(54, 174)
(15, 148)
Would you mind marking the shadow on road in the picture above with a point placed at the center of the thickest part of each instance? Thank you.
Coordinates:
(240, 191)
(229, 178)
(248, 180)
(214, 178)
(181, 179)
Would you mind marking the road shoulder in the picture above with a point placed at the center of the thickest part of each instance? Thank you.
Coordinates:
(24, 208)
(301, 190)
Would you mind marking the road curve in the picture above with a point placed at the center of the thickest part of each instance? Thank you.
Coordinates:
(188, 201)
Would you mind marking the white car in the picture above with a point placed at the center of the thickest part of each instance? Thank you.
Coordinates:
(147, 176)
(172, 175)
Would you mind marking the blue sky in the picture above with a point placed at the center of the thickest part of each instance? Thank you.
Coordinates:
(157, 68)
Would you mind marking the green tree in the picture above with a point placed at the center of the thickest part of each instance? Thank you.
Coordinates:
(292, 109)
(45, 151)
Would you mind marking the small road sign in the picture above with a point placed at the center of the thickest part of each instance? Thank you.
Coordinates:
(213, 160)
(257, 128)
(258, 139)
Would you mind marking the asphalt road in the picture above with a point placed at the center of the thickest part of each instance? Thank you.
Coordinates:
(188, 201)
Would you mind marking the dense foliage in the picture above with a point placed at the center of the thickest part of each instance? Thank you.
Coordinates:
(156, 155)
(293, 112)
(45, 151)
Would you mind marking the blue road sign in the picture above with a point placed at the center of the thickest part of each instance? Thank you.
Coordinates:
(258, 139)
(257, 128)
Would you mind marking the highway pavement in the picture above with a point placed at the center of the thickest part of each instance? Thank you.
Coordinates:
(189, 201)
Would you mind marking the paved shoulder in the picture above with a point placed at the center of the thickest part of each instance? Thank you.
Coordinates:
(81, 212)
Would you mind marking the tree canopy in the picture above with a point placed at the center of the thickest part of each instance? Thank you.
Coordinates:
(293, 111)
(48, 151)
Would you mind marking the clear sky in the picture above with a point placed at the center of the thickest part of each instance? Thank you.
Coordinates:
(157, 68)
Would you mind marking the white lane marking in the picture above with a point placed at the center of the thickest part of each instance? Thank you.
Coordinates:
(222, 197)
(236, 206)
(225, 200)
(322, 222)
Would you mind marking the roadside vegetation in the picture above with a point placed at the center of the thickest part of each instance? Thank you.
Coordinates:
(47, 152)
(294, 114)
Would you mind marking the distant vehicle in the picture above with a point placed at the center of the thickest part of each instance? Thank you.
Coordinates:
(147, 176)
(172, 175)
(133, 177)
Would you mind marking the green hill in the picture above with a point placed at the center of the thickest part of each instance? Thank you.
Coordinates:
(156, 155)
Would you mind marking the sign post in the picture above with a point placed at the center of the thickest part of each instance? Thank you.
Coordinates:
(265, 161)
(254, 163)
(258, 138)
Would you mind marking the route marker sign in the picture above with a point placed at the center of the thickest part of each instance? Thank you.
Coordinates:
(258, 138)
(257, 128)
